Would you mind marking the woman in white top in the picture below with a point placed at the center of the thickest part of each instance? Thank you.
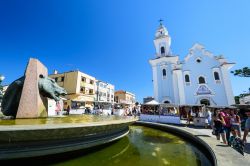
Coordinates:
(235, 123)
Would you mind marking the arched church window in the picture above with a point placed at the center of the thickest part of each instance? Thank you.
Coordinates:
(216, 76)
(162, 50)
(187, 79)
(164, 73)
(202, 80)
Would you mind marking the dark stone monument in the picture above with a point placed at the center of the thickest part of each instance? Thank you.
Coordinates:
(27, 96)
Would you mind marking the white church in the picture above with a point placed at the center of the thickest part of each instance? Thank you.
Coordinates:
(201, 78)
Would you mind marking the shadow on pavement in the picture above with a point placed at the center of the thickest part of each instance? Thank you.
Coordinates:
(222, 145)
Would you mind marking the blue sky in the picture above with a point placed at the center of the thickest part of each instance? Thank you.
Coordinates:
(113, 40)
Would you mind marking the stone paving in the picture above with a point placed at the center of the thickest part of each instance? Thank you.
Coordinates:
(226, 155)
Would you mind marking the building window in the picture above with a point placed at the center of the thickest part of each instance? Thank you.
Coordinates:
(56, 79)
(198, 60)
(82, 89)
(187, 79)
(83, 79)
(164, 73)
(216, 76)
(62, 79)
(162, 50)
(91, 91)
(116, 99)
(202, 80)
(91, 82)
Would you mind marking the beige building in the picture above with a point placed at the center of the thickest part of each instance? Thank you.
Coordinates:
(79, 86)
(125, 98)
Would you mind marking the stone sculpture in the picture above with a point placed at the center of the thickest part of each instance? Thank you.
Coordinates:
(27, 96)
(12, 97)
(47, 88)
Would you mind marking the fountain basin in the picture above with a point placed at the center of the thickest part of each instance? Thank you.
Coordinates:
(203, 146)
(25, 141)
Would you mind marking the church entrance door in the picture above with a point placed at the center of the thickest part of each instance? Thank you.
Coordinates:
(205, 102)
(166, 102)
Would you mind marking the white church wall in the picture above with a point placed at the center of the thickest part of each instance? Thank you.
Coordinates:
(164, 84)
(205, 69)
(198, 62)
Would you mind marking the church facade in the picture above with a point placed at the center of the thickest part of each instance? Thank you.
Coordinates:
(201, 78)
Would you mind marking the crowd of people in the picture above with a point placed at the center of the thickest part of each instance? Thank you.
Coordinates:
(135, 111)
(226, 122)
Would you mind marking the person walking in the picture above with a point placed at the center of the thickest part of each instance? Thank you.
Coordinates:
(219, 124)
(226, 116)
(208, 118)
(68, 109)
(247, 126)
(235, 123)
(58, 108)
(189, 116)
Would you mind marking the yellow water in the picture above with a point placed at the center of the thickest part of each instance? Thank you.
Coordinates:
(61, 120)
(142, 147)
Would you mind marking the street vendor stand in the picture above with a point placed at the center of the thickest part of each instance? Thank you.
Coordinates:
(194, 113)
(161, 113)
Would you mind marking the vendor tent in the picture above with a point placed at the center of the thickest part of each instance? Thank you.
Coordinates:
(152, 102)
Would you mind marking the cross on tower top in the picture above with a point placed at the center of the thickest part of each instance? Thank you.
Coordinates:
(160, 21)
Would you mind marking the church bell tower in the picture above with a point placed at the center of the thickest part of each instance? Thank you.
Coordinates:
(162, 41)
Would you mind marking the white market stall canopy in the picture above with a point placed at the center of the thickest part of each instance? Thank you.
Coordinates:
(152, 102)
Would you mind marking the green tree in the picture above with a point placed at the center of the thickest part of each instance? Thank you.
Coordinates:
(244, 72)
(237, 99)
(1, 87)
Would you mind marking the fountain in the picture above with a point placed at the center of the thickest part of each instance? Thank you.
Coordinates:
(26, 130)
(28, 134)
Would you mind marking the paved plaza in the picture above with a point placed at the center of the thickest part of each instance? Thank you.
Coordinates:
(226, 155)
